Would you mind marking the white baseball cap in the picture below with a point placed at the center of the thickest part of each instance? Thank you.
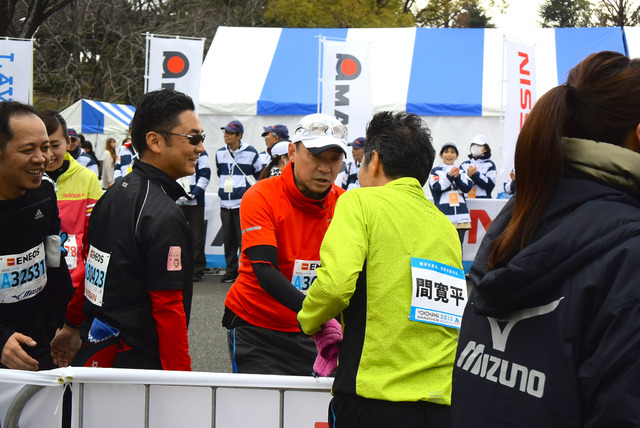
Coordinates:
(319, 132)
(280, 148)
(480, 140)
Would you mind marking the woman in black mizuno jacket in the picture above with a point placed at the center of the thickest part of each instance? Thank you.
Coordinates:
(551, 334)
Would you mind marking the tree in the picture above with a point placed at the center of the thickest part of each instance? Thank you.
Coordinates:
(617, 13)
(96, 48)
(22, 19)
(339, 13)
(566, 13)
(455, 14)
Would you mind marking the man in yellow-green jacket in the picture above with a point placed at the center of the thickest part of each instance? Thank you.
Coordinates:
(391, 266)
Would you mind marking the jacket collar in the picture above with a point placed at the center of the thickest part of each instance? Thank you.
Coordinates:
(606, 162)
(168, 184)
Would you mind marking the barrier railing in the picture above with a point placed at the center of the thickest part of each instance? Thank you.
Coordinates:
(125, 398)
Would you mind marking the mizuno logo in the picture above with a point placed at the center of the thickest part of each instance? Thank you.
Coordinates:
(38, 215)
(476, 361)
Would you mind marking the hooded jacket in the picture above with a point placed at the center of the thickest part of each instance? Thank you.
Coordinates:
(552, 339)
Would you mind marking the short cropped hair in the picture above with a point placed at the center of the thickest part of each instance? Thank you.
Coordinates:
(9, 109)
(54, 121)
(404, 145)
(157, 111)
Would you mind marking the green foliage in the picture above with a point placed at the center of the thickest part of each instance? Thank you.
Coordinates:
(337, 14)
(566, 13)
(585, 13)
(454, 14)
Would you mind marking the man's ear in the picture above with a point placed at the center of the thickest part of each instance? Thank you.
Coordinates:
(374, 164)
(291, 152)
(154, 142)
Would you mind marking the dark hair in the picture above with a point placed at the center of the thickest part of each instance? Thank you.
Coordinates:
(266, 171)
(87, 145)
(54, 121)
(403, 143)
(599, 102)
(449, 146)
(157, 111)
(9, 109)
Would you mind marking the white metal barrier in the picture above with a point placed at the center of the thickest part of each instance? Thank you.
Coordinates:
(126, 398)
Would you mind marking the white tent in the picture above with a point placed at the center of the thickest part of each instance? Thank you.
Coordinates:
(98, 120)
(453, 78)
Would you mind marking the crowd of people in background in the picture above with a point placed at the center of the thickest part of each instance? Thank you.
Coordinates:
(343, 267)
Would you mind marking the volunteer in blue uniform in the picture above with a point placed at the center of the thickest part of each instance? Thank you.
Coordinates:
(36, 285)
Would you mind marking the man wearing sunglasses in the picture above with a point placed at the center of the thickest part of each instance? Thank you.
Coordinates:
(138, 286)
(284, 219)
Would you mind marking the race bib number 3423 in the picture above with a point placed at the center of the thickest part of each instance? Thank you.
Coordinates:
(23, 275)
(96, 275)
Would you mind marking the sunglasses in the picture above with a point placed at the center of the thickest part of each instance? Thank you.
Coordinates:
(194, 140)
(319, 128)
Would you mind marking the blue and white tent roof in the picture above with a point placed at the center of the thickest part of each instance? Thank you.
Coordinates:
(428, 71)
(99, 120)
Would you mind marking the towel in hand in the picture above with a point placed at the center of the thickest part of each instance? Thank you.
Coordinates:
(328, 341)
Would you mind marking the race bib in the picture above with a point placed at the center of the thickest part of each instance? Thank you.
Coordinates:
(439, 293)
(304, 273)
(72, 251)
(96, 275)
(454, 199)
(23, 275)
(228, 184)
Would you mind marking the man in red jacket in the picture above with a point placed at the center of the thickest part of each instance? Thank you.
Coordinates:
(138, 283)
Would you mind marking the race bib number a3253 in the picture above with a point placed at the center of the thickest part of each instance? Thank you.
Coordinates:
(96, 275)
(23, 275)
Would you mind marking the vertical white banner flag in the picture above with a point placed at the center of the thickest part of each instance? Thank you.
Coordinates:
(16, 70)
(346, 84)
(521, 95)
(175, 63)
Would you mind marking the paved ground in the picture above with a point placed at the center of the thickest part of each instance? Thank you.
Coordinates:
(207, 337)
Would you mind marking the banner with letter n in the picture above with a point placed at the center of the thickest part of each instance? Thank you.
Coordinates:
(174, 63)
(521, 95)
(16, 70)
(346, 83)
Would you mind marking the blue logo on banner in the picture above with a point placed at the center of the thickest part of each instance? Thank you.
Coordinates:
(6, 92)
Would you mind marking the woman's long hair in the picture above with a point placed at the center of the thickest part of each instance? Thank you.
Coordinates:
(111, 150)
(600, 102)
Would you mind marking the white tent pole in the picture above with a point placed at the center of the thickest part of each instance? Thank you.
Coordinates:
(146, 63)
(320, 42)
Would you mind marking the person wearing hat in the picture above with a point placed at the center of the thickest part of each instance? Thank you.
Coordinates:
(124, 161)
(272, 135)
(279, 159)
(238, 166)
(480, 168)
(393, 366)
(284, 220)
(74, 144)
(350, 179)
(448, 185)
